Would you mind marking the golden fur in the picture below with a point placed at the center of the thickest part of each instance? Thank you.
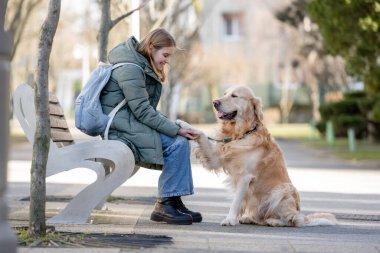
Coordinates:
(263, 191)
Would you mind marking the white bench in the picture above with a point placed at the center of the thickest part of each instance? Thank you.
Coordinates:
(111, 160)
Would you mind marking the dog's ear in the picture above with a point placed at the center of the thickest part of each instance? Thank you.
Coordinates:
(257, 109)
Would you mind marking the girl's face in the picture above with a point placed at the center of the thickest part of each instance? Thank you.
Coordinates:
(160, 57)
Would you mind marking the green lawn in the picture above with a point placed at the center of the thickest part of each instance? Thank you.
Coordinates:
(340, 147)
(363, 151)
(293, 131)
(16, 138)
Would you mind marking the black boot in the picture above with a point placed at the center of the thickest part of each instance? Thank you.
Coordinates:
(197, 217)
(165, 211)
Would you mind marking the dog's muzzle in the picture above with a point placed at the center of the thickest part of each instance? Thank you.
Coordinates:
(223, 115)
(226, 116)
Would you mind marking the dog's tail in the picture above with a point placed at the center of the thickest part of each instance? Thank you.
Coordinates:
(319, 219)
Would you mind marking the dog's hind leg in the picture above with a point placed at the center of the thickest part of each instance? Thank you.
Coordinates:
(240, 191)
(276, 222)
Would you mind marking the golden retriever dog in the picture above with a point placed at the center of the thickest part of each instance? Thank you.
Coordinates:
(244, 149)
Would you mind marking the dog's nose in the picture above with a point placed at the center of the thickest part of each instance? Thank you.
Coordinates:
(216, 103)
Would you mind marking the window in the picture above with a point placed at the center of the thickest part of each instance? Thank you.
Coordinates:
(232, 24)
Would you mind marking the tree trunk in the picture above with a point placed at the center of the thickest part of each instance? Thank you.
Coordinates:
(373, 128)
(23, 10)
(104, 29)
(314, 88)
(312, 82)
(287, 94)
(106, 24)
(7, 239)
(37, 224)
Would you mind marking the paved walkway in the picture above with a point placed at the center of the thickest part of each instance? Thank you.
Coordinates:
(349, 190)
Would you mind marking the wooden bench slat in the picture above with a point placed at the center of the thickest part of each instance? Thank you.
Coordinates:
(59, 136)
(56, 109)
(60, 132)
(57, 122)
(53, 98)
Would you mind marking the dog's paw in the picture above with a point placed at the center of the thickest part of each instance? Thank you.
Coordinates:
(183, 124)
(186, 125)
(229, 222)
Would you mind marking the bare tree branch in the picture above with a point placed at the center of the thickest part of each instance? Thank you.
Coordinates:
(118, 19)
(19, 20)
(164, 15)
(106, 24)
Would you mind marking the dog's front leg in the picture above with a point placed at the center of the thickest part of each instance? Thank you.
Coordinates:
(205, 151)
(240, 191)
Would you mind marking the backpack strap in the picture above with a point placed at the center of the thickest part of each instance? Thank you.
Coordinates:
(127, 63)
(112, 114)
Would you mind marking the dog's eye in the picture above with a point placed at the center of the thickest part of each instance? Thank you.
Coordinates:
(234, 95)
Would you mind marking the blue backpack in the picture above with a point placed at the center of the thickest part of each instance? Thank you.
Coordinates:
(89, 117)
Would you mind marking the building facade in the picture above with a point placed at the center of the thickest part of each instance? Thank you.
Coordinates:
(244, 44)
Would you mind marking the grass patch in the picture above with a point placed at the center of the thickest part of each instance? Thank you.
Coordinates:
(16, 138)
(293, 131)
(112, 198)
(49, 239)
(311, 137)
(364, 150)
(55, 239)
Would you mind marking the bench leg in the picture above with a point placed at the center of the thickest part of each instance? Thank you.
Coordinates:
(102, 203)
(80, 207)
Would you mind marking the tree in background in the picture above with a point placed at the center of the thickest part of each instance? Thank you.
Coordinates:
(106, 24)
(18, 13)
(318, 68)
(181, 19)
(350, 28)
(37, 224)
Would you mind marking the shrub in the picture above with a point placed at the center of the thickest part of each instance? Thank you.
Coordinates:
(355, 95)
(343, 122)
(344, 114)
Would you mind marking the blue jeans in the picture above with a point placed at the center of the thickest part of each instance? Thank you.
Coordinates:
(176, 178)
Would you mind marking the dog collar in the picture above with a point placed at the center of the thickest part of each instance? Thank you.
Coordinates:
(224, 140)
(229, 139)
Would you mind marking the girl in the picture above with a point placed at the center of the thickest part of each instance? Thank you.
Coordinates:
(157, 142)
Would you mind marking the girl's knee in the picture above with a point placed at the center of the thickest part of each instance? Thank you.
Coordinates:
(183, 142)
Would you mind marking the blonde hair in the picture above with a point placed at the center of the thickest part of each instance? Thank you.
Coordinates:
(158, 38)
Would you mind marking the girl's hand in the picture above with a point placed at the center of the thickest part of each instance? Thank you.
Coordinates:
(190, 134)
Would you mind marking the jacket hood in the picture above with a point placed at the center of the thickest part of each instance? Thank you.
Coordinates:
(127, 52)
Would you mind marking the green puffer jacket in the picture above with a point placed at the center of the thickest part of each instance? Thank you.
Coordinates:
(138, 123)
